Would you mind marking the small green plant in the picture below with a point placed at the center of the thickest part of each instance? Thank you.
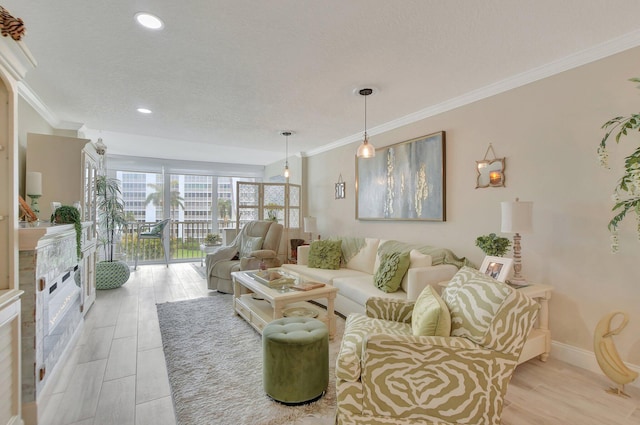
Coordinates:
(211, 239)
(67, 214)
(111, 215)
(493, 245)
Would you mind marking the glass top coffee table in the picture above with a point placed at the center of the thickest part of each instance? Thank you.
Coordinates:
(259, 301)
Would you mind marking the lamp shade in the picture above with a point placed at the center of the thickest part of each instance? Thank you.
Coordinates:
(517, 217)
(310, 225)
(34, 183)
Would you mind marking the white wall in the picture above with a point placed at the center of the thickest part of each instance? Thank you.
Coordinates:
(548, 131)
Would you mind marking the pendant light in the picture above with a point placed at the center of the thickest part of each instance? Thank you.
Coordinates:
(286, 173)
(366, 149)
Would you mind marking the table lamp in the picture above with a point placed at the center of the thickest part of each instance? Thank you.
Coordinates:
(34, 189)
(517, 218)
(310, 226)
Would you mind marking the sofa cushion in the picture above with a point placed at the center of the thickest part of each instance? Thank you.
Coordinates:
(250, 244)
(365, 259)
(393, 267)
(323, 275)
(416, 259)
(430, 315)
(473, 299)
(325, 254)
(360, 288)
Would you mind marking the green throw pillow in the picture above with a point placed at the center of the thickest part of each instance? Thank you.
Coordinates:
(250, 244)
(430, 315)
(393, 266)
(325, 254)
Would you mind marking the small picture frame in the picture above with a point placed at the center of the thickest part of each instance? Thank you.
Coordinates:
(496, 267)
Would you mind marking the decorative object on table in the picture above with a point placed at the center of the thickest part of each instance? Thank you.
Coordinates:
(68, 214)
(626, 194)
(496, 267)
(493, 244)
(34, 189)
(366, 149)
(340, 188)
(413, 181)
(490, 170)
(11, 26)
(517, 218)
(212, 239)
(110, 273)
(310, 226)
(607, 355)
(272, 212)
(286, 172)
(26, 213)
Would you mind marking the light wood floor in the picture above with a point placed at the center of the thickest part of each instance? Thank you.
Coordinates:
(116, 373)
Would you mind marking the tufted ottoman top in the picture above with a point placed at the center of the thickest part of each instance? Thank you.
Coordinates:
(295, 330)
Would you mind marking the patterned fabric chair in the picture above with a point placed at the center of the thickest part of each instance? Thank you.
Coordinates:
(386, 375)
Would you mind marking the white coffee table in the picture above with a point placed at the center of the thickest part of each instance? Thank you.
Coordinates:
(259, 304)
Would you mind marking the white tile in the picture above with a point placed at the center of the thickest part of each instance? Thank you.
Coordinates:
(122, 358)
(81, 398)
(156, 412)
(152, 378)
(117, 402)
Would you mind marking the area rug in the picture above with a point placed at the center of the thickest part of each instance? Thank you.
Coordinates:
(214, 361)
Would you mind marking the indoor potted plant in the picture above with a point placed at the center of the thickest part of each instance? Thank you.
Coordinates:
(110, 273)
(626, 195)
(66, 214)
(212, 239)
(493, 245)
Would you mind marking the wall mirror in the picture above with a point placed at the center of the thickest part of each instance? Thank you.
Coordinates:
(490, 171)
(340, 187)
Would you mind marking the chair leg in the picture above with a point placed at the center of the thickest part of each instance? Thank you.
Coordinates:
(135, 267)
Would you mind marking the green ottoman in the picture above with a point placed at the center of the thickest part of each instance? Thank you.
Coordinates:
(296, 359)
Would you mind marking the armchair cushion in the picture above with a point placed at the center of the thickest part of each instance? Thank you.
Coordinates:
(430, 315)
(325, 254)
(393, 267)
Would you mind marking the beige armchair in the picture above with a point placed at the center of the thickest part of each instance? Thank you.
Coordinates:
(257, 242)
(386, 374)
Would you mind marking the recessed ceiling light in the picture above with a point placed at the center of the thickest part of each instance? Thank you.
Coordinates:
(144, 110)
(148, 20)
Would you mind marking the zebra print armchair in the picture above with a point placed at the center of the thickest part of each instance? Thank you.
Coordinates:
(386, 375)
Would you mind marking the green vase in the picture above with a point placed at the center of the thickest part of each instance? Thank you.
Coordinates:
(111, 274)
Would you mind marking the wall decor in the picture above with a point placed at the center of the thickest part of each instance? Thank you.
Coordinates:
(490, 171)
(340, 188)
(405, 181)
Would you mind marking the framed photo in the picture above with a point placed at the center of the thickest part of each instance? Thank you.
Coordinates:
(405, 181)
(496, 267)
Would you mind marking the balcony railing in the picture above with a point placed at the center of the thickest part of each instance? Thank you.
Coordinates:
(185, 238)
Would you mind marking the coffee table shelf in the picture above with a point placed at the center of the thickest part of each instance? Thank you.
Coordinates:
(273, 302)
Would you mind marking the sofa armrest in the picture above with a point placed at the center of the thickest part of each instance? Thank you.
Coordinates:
(263, 254)
(420, 277)
(392, 309)
(303, 255)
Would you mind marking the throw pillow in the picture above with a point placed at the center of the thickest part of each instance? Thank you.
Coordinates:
(325, 254)
(250, 244)
(393, 266)
(430, 315)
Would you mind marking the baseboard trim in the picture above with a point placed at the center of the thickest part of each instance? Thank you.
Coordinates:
(584, 359)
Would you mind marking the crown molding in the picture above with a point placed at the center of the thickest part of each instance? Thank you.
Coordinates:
(16, 58)
(597, 52)
(41, 108)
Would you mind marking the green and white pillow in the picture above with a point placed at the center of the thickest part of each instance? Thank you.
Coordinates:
(393, 266)
(250, 244)
(325, 254)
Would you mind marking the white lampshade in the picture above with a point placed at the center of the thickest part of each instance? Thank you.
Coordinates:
(517, 217)
(34, 183)
(310, 225)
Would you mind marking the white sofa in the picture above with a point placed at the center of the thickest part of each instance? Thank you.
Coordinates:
(355, 278)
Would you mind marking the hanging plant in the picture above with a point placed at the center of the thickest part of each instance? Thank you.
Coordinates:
(626, 195)
(66, 214)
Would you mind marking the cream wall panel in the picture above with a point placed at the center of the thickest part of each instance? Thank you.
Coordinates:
(548, 131)
(29, 121)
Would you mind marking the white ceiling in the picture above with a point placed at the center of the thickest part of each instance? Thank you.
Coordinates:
(224, 77)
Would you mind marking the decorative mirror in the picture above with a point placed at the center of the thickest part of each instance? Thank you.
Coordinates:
(340, 187)
(490, 171)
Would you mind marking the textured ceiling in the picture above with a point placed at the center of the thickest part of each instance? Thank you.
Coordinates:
(224, 77)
